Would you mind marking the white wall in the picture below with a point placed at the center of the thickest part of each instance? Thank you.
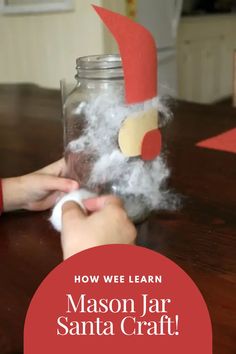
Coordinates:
(42, 48)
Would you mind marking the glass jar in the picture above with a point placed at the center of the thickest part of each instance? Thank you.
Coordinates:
(93, 114)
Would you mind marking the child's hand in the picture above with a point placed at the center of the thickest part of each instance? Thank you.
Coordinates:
(108, 224)
(38, 190)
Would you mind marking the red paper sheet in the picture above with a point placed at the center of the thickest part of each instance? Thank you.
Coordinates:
(224, 142)
(138, 53)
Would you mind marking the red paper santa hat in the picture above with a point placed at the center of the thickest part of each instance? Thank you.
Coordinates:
(138, 53)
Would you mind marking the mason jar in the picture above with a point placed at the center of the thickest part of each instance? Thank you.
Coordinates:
(93, 113)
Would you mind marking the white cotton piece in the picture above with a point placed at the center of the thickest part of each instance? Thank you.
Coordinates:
(76, 196)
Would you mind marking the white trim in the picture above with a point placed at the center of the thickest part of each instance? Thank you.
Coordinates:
(66, 5)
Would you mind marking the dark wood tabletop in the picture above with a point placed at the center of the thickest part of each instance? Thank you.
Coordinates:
(200, 237)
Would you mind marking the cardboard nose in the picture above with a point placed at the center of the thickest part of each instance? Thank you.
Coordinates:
(151, 145)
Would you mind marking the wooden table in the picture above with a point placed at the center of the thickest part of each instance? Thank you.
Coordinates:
(200, 237)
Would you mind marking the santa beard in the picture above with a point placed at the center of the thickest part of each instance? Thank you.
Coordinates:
(95, 160)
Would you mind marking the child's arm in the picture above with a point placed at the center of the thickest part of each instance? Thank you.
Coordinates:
(38, 190)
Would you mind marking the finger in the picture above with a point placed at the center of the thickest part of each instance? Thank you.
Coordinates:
(98, 203)
(71, 212)
(52, 183)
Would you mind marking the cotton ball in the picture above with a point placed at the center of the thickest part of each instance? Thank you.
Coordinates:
(76, 196)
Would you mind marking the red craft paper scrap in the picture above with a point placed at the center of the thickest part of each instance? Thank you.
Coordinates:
(138, 53)
(224, 142)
